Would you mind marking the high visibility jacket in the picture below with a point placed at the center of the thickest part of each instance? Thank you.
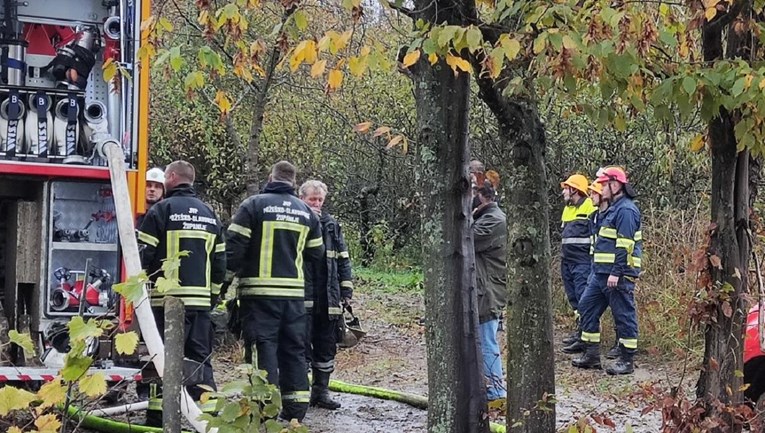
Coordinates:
(576, 240)
(619, 245)
(183, 222)
(267, 241)
(333, 275)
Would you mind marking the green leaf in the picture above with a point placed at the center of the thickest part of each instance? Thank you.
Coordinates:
(445, 36)
(474, 39)
(172, 264)
(230, 412)
(273, 426)
(126, 342)
(52, 393)
(689, 85)
(79, 330)
(22, 340)
(301, 22)
(163, 285)
(93, 385)
(738, 87)
(132, 288)
(75, 366)
(176, 59)
(12, 398)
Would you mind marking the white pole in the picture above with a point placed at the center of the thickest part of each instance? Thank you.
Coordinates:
(111, 151)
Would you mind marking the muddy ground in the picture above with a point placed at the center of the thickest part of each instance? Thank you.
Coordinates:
(393, 356)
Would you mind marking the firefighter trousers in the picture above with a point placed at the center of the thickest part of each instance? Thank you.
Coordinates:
(574, 276)
(321, 340)
(277, 329)
(597, 297)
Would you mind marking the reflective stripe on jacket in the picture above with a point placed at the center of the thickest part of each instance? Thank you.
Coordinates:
(576, 235)
(267, 241)
(619, 243)
(183, 222)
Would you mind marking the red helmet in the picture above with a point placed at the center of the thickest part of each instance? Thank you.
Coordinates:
(612, 173)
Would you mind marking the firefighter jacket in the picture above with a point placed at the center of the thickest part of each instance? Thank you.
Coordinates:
(619, 244)
(490, 241)
(268, 239)
(333, 275)
(183, 222)
(575, 243)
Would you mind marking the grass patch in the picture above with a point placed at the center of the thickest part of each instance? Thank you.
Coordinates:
(373, 280)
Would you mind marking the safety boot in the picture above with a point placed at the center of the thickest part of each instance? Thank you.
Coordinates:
(573, 337)
(615, 350)
(320, 391)
(590, 358)
(577, 346)
(623, 365)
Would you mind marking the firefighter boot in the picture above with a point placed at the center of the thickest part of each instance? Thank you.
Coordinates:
(577, 346)
(590, 358)
(623, 365)
(320, 391)
(615, 350)
(574, 336)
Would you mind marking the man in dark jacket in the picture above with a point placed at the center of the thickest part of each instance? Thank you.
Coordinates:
(183, 222)
(490, 239)
(268, 240)
(329, 286)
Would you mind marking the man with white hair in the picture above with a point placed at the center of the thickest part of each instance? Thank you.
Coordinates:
(329, 286)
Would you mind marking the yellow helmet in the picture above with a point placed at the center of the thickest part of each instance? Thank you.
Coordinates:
(596, 187)
(576, 181)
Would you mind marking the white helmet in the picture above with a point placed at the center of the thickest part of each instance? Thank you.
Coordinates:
(155, 175)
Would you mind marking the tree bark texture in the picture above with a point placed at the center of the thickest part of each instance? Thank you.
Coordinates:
(723, 348)
(456, 385)
(173, 378)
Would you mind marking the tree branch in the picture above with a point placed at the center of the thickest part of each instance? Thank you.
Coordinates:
(406, 11)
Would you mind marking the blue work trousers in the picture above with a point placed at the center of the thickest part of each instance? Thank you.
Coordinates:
(574, 277)
(594, 301)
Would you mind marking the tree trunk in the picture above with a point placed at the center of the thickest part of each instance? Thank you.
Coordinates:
(720, 380)
(457, 395)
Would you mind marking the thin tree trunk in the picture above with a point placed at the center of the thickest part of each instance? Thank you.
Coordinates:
(457, 395)
(173, 378)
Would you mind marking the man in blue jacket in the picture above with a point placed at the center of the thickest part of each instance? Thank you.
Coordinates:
(617, 257)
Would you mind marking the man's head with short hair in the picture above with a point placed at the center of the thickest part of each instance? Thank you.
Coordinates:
(179, 173)
(283, 171)
(486, 194)
(313, 193)
(476, 166)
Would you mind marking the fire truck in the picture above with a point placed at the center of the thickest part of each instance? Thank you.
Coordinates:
(60, 252)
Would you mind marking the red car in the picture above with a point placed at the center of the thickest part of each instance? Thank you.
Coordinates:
(754, 357)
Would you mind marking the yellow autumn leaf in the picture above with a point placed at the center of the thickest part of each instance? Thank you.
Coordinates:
(335, 79)
(305, 51)
(697, 143)
(710, 13)
(342, 41)
(126, 342)
(318, 68)
(165, 24)
(14, 429)
(52, 393)
(358, 65)
(47, 424)
(458, 64)
(381, 130)
(110, 69)
(12, 398)
(222, 101)
(203, 17)
(311, 55)
(365, 50)
(93, 385)
(411, 58)
(540, 43)
(432, 58)
(512, 47)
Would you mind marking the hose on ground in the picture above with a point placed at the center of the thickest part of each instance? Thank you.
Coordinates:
(106, 425)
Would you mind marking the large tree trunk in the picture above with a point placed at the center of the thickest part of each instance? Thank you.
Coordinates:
(720, 380)
(457, 397)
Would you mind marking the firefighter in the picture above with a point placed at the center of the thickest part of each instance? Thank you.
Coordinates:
(270, 237)
(183, 222)
(616, 266)
(490, 242)
(575, 243)
(329, 287)
(155, 190)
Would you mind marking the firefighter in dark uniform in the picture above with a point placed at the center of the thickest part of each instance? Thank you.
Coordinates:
(329, 286)
(183, 222)
(269, 238)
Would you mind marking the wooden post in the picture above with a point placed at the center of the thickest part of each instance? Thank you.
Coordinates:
(172, 381)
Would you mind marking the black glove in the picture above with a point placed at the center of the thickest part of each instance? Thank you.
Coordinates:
(214, 301)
